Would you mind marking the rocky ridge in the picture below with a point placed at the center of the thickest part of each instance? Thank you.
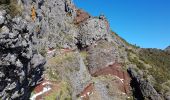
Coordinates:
(167, 49)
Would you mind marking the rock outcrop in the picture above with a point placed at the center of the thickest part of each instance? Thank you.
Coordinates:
(92, 30)
(21, 65)
(81, 16)
(167, 49)
(142, 88)
(101, 54)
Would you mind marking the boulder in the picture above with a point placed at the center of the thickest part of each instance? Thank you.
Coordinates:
(37, 60)
(2, 16)
(93, 29)
(5, 29)
(100, 55)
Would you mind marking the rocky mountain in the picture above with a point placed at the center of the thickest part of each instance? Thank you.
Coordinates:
(52, 50)
(167, 49)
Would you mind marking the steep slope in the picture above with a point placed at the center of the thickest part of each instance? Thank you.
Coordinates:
(152, 65)
(147, 67)
(85, 60)
(160, 70)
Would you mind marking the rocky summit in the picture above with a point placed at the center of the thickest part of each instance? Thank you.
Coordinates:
(52, 50)
(167, 49)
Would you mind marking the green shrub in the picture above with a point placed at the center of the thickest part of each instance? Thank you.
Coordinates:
(157, 87)
(4, 2)
(137, 63)
(14, 8)
(53, 75)
(160, 62)
(63, 93)
(43, 51)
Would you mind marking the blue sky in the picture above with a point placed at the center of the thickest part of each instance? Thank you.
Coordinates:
(145, 23)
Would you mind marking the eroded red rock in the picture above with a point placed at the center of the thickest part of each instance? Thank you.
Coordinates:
(39, 88)
(107, 24)
(116, 70)
(81, 16)
(87, 91)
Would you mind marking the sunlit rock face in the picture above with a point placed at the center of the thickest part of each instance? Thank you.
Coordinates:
(92, 30)
(27, 26)
(21, 66)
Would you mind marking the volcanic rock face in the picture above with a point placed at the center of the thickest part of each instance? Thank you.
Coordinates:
(60, 30)
(92, 30)
(21, 66)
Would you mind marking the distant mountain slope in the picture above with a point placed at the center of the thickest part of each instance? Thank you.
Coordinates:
(167, 49)
(160, 62)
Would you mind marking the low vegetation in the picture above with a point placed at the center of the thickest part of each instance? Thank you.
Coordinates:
(53, 75)
(160, 62)
(62, 93)
(139, 64)
(12, 7)
(4, 1)
(84, 55)
(135, 60)
(43, 51)
(59, 60)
